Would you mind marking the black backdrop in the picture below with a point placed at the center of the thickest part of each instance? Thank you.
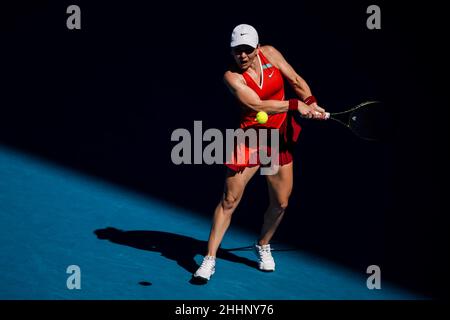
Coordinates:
(105, 99)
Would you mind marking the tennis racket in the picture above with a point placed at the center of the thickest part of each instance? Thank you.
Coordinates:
(369, 120)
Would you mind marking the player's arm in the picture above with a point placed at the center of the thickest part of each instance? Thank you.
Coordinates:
(299, 84)
(250, 99)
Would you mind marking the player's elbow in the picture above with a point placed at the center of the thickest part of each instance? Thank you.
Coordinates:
(256, 106)
(298, 83)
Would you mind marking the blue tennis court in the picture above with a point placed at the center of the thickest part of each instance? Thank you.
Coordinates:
(130, 246)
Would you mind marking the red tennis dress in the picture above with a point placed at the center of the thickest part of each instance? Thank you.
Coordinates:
(271, 87)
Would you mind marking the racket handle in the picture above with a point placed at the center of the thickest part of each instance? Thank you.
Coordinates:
(327, 115)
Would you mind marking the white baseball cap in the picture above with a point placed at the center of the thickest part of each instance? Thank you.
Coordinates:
(244, 34)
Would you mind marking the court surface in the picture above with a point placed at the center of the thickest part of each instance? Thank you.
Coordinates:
(129, 246)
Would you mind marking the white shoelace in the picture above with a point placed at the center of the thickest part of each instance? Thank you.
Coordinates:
(208, 262)
(265, 254)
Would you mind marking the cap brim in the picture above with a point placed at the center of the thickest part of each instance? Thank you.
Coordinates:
(241, 43)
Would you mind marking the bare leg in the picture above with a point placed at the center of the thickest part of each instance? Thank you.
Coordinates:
(234, 188)
(280, 188)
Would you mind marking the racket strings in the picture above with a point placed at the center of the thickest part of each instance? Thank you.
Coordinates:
(340, 121)
(366, 123)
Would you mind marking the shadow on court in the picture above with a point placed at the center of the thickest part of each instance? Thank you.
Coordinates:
(179, 248)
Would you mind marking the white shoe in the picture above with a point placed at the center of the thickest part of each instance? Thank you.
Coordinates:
(265, 259)
(207, 268)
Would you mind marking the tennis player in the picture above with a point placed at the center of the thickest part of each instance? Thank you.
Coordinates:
(256, 80)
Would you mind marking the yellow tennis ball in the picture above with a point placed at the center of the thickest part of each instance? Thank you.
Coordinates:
(261, 117)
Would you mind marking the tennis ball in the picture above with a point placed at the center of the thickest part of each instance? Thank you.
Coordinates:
(261, 117)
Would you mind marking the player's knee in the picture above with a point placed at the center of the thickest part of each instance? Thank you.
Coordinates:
(283, 205)
(280, 205)
(229, 201)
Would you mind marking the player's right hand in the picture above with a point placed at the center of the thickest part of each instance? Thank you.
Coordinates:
(312, 111)
(318, 112)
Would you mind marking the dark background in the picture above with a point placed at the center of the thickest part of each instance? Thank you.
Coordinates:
(105, 99)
